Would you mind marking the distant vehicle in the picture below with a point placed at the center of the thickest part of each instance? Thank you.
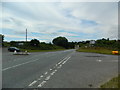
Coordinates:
(12, 49)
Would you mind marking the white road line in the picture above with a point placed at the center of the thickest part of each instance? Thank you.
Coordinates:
(46, 73)
(52, 73)
(19, 65)
(24, 63)
(47, 78)
(55, 70)
(68, 58)
(59, 62)
(41, 84)
(63, 60)
(59, 67)
(99, 60)
(50, 69)
(32, 83)
(41, 76)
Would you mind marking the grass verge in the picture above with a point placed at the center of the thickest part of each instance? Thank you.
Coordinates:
(113, 83)
(96, 50)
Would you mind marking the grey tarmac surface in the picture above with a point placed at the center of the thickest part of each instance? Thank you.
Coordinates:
(60, 69)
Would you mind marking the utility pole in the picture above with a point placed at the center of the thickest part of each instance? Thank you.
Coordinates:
(26, 41)
(26, 35)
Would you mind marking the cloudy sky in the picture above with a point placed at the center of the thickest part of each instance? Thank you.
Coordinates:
(44, 21)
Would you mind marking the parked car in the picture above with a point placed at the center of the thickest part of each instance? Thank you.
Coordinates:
(12, 49)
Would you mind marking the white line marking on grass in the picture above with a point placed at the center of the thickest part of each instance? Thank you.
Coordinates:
(32, 83)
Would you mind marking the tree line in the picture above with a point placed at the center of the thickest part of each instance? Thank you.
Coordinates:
(63, 43)
(57, 43)
(104, 43)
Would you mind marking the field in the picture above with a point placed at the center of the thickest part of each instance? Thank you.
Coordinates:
(96, 50)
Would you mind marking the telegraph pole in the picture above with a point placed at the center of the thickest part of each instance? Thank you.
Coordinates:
(26, 35)
(26, 41)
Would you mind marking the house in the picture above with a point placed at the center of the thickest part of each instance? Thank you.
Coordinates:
(20, 44)
(92, 42)
(76, 46)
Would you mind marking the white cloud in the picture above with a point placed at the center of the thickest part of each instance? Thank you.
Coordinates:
(49, 18)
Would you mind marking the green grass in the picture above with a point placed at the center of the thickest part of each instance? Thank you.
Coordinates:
(113, 83)
(42, 50)
(96, 50)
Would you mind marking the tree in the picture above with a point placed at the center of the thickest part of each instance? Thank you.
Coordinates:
(1, 38)
(34, 42)
(71, 44)
(12, 43)
(61, 41)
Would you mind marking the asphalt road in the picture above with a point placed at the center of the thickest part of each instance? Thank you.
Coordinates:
(60, 69)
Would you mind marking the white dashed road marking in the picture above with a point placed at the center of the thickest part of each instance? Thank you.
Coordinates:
(41, 76)
(55, 70)
(99, 60)
(47, 77)
(32, 83)
(41, 84)
(64, 62)
(46, 73)
(52, 73)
